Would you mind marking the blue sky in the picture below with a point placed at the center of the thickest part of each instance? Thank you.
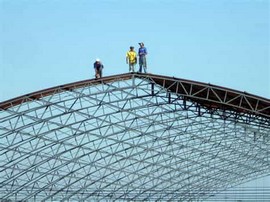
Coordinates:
(44, 43)
(52, 42)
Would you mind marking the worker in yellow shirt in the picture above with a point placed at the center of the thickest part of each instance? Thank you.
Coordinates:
(131, 59)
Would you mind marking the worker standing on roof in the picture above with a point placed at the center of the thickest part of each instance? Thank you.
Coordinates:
(98, 66)
(131, 59)
(142, 57)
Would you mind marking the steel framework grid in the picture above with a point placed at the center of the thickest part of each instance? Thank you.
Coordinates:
(131, 137)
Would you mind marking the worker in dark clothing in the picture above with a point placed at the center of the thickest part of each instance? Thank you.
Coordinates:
(98, 66)
(142, 57)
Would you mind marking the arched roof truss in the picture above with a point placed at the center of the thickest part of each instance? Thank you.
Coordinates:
(132, 137)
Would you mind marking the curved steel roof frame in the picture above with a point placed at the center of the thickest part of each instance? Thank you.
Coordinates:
(131, 137)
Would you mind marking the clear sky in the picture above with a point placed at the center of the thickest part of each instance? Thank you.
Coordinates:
(44, 43)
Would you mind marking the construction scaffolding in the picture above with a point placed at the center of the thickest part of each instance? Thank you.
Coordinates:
(131, 137)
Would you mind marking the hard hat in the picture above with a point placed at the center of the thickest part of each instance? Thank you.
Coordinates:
(97, 60)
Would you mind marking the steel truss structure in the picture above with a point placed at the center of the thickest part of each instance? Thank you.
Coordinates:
(131, 137)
